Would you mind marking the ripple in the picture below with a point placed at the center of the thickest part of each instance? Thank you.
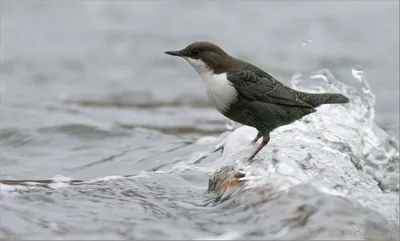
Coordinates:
(83, 131)
(170, 129)
(140, 100)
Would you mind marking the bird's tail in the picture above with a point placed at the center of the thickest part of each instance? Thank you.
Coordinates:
(326, 98)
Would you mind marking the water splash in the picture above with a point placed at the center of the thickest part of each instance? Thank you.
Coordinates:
(357, 72)
(379, 150)
(369, 97)
(230, 125)
(306, 42)
(296, 80)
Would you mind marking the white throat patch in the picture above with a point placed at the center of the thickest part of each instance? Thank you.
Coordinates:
(219, 89)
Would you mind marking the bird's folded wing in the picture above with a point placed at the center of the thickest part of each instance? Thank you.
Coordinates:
(256, 85)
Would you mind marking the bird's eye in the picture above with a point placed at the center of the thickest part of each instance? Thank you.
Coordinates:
(196, 51)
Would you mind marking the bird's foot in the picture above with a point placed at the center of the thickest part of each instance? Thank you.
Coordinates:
(259, 135)
(264, 142)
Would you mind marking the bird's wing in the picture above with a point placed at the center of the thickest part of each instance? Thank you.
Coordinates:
(254, 84)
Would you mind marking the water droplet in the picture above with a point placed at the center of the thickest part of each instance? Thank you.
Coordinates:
(304, 43)
(309, 40)
(230, 125)
(322, 76)
(297, 76)
(296, 79)
(357, 73)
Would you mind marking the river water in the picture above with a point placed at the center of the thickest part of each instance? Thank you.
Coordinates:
(87, 94)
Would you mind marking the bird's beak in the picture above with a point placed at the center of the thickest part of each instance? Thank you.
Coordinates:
(174, 53)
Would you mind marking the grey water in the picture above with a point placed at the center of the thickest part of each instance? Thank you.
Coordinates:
(88, 94)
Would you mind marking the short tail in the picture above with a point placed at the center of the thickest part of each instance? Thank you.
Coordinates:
(327, 98)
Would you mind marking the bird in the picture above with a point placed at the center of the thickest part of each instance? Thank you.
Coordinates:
(248, 95)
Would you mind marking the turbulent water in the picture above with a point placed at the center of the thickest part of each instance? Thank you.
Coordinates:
(103, 137)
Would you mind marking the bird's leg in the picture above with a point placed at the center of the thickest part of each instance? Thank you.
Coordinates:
(264, 142)
(256, 138)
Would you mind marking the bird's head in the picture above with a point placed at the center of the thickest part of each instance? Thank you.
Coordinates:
(203, 56)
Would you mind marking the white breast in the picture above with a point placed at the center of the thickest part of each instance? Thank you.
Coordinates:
(219, 89)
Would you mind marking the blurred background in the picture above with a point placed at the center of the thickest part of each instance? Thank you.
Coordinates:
(87, 91)
(106, 60)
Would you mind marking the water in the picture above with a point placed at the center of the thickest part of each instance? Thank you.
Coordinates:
(88, 95)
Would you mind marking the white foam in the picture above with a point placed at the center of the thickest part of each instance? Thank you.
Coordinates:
(10, 189)
(60, 178)
(56, 185)
(231, 235)
(105, 179)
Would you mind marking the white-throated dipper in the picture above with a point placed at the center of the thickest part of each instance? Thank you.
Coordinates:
(248, 95)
